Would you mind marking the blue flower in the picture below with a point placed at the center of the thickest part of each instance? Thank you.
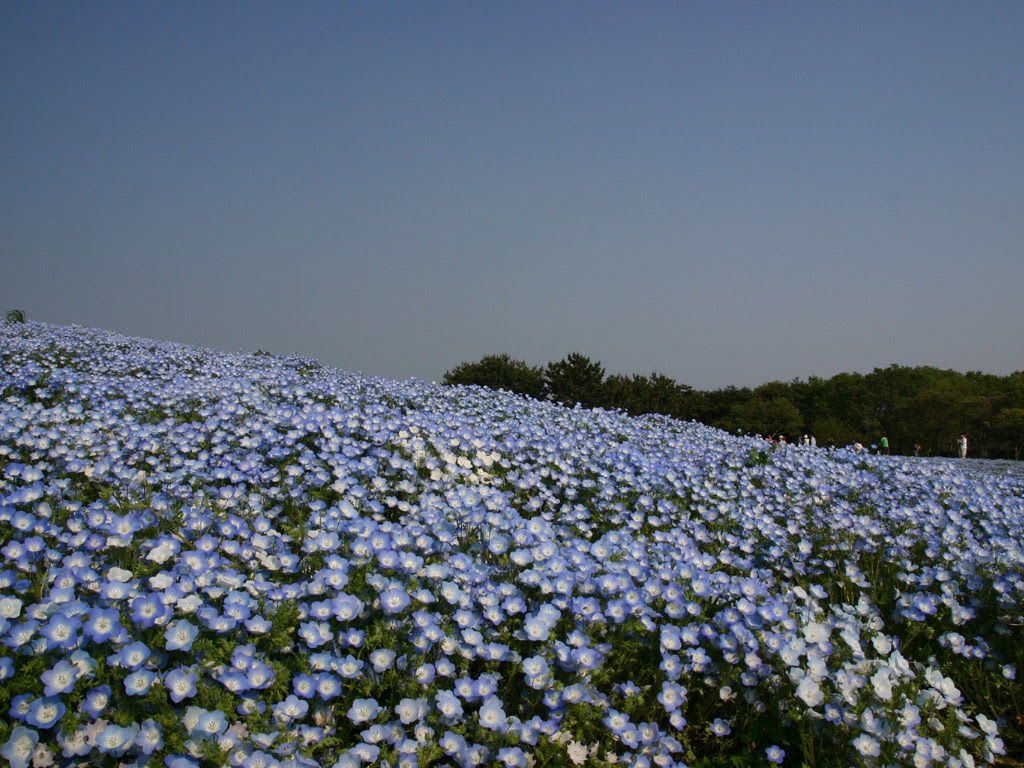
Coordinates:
(139, 682)
(115, 740)
(513, 757)
(234, 680)
(394, 600)
(96, 700)
(449, 705)
(492, 715)
(134, 655)
(328, 686)
(20, 746)
(102, 624)
(61, 631)
(304, 685)
(211, 723)
(180, 635)
(45, 712)
(180, 684)
(149, 737)
(363, 710)
(292, 708)
(60, 679)
(382, 659)
(720, 727)
(316, 633)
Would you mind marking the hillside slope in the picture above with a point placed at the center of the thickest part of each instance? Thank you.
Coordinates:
(210, 558)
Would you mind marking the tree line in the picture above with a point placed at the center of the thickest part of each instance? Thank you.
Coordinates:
(919, 409)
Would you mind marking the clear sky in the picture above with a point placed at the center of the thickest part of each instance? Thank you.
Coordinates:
(726, 193)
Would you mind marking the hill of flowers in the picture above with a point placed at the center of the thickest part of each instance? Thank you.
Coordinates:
(212, 559)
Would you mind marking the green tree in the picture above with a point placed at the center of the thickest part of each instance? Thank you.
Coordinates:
(656, 393)
(499, 372)
(768, 416)
(714, 407)
(1008, 432)
(575, 379)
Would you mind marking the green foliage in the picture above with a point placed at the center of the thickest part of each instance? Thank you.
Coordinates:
(912, 406)
(768, 416)
(575, 380)
(14, 316)
(499, 372)
(656, 393)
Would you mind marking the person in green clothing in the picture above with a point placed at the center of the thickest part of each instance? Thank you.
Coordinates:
(883, 445)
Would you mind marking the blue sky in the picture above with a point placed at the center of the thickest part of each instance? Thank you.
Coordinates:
(726, 193)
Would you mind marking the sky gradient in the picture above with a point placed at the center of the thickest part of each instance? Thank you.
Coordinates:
(726, 193)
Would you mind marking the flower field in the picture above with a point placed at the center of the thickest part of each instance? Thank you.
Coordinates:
(212, 559)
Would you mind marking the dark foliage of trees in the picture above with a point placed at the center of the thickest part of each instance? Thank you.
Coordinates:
(917, 408)
(500, 372)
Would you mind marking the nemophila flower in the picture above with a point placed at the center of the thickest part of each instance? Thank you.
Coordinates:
(180, 684)
(382, 659)
(103, 624)
(60, 679)
(720, 727)
(292, 708)
(138, 682)
(537, 628)
(304, 685)
(234, 680)
(513, 757)
(211, 723)
(45, 712)
(149, 737)
(775, 754)
(179, 761)
(867, 745)
(75, 744)
(350, 667)
(328, 686)
(133, 655)
(20, 706)
(115, 740)
(394, 600)
(363, 710)
(259, 759)
(449, 705)
(61, 631)
(425, 674)
(810, 692)
(10, 607)
(492, 715)
(258, 625)
(19, 748)
(672, 696)
(180, 635)
(316, 633)
(149, 610)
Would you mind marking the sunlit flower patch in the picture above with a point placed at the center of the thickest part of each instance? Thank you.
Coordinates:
(213, 559)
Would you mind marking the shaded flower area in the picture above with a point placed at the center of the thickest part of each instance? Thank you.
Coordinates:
(212, 559)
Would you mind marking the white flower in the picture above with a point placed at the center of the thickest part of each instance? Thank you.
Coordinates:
(577, 752)
(867, 746)
(882, 684)
(987, 725)
(816, 632)
(119, 574)
(810, 692)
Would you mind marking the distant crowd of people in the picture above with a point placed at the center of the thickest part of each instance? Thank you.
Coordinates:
(882, 448)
